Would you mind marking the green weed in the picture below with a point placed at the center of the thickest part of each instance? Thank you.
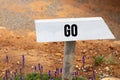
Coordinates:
(98, 60)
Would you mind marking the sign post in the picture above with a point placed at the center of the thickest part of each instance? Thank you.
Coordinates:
(68, 61)
(70, 30)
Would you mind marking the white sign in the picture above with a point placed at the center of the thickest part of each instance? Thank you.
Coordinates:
(71, 29)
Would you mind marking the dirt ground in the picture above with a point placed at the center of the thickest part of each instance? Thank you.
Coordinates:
(50, 55)
(17, 35)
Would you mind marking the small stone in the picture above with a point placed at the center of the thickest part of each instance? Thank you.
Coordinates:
(111, 66)
(84, 51)
(50, 58)
(11, 72)
(117, 52)
(3, 72)
(99, 69)
(32, 67)
(105, 49)
(106, 75)
(95, 71)
(88, 57)
(103, 75)
(18, 62)
(119, 57)
(77, 66)
(78, 59)
(95, 52)
(87, 66)
(59, 60)
(107, 68)
(111, 74)
(58, 54)
(84, 70)
(45, 43)
(54, 70)
(81, 50)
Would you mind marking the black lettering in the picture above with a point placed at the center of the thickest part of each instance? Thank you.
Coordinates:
(74, 30)
(67, 30)
(70, 30)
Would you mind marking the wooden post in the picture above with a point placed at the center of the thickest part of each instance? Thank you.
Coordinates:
(68, 61)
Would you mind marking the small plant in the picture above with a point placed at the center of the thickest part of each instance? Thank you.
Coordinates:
(33, 76)
(98, 60)
(80, 78)
(110, 61)
(37, 76)
(18, 78)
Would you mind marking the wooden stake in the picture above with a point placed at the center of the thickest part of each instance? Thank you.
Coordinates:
(68, 61)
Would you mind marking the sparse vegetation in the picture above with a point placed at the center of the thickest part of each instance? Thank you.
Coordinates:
(110, 61)
(80, 78)
(37, 76)
(98, 60)
(38, 73)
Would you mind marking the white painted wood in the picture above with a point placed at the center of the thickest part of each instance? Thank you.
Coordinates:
(52, 30)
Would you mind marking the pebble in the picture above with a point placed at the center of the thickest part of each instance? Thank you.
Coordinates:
(81, 50)
(59, 60)
(95, 52)
(32, 67)
(18, 62)
(111, 66)
(45, 43)
(84, 70)
(99, 69)
(107, 75)
(3, 72)
(11, 72)
(101, 72)
(119, 57)
(95, 71)
(117, 52)
(78, 60)
(58, 54)
(84, 51)
(111, 74)
(88, 66)
(77, 66)
(107, 68)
